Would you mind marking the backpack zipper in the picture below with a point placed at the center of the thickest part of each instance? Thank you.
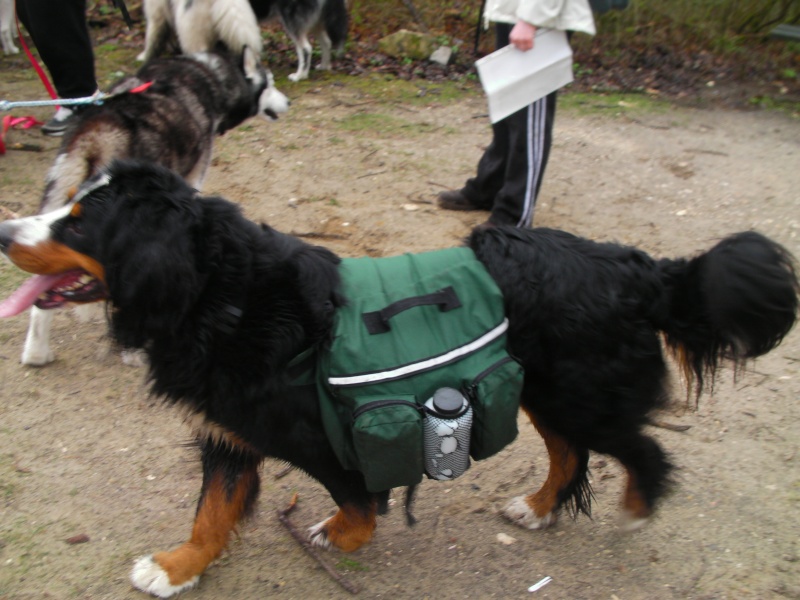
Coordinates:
(470, 390)
(382, 404)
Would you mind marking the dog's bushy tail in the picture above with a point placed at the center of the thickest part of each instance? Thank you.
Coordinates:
(734, 302)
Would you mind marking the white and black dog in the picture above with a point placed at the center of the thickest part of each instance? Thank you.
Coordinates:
(168, 113)
(199, 24)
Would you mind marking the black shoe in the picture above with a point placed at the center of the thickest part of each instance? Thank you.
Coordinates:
(457, 200)
(60, 122)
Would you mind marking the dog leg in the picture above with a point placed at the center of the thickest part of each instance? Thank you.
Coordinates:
(325, 47)
(159, 28)
(648, 471)
(36, 351)
(567, 476)
(303, 47)
(230, 487)
(7, 27)
(349, 529)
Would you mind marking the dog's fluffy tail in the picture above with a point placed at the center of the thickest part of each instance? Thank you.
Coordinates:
(734, 302)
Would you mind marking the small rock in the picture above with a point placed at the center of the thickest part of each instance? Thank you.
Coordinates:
(505, 539)
(407, 44)
(442, 55)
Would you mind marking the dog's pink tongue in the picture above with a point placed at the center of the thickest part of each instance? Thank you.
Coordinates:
(27, 293)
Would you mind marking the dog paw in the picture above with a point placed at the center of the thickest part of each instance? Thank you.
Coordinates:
(630, 522)
(134, 358)
(318, 535)
(37, 357)
(519, 512)
(297, 76)
(148, 576)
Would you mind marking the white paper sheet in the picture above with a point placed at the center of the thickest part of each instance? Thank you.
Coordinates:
(512, 79)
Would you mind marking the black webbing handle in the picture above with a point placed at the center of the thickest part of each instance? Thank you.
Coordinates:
(378, 321)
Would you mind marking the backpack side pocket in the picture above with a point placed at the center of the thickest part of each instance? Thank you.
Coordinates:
(387, 438)
(494, 395)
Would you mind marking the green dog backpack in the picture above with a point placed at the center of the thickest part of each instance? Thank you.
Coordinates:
(414, 324)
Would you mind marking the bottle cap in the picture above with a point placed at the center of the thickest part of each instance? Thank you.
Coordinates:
(447, 401)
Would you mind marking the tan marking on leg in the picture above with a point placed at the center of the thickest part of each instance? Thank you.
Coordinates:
(216, 518)
(635, 505)
(563, 465)
(351, 527)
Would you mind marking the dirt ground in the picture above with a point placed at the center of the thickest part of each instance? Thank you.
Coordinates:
(84, 451)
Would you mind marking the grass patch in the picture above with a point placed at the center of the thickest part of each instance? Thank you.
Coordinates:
(348, 564)
(382, 123)
(612, 104)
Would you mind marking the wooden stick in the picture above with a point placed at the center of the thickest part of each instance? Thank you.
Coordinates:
(283, 517)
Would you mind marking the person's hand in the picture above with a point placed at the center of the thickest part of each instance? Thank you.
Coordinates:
(521, 36)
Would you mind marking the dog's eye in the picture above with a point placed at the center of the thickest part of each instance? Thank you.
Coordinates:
(74, 226)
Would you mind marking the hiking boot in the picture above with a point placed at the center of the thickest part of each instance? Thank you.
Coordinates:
(60, 122)
(457, 200)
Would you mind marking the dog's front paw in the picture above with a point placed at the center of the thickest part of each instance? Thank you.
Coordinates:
(37, 356)
(348, 530)
(148, 576)
(318, 535)
(519, 512)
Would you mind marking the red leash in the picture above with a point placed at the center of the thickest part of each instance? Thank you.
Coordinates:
(25, 122)
(18, 122)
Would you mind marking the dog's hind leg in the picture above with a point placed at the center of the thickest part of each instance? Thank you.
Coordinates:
(230, 488)
(325, 47)
(303, 47)
(159, 28)
(567, 483)
(36, 351)
(648, 472)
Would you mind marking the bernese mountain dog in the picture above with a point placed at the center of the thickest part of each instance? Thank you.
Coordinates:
(222, 305)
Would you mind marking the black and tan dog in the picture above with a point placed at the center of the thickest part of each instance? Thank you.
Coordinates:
(222, 305)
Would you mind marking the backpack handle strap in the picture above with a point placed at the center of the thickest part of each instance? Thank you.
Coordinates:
(378, 321)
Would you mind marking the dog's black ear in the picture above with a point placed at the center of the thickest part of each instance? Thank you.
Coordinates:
(149, 257)
(152, 287)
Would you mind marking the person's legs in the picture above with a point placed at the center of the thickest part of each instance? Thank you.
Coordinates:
(61, 35)
(479, 192)
(530, 135)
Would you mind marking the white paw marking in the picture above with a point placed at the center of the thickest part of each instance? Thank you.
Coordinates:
(629, 522)
(134, 358)
(520, 513)
(37, 357)
(318, 535)
(148, 576)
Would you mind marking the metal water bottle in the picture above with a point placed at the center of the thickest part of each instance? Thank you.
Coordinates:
(448, 423)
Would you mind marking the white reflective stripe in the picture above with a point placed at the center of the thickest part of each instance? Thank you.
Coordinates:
(482, 341)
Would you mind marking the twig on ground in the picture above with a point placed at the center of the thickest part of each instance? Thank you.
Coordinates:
(283, 517)
(670, 426)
